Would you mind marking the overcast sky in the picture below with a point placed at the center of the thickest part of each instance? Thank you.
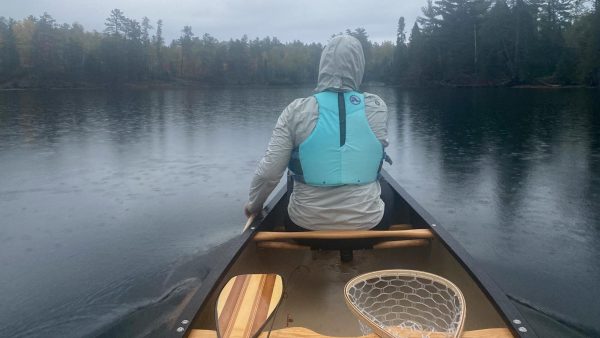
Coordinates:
(308, 21)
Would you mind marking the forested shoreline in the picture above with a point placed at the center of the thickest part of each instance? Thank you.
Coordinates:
(453, 43)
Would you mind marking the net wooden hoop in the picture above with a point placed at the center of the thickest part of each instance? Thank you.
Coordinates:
(406, 303)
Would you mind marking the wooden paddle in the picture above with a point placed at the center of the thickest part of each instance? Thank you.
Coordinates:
(246, 304)
(248, 222)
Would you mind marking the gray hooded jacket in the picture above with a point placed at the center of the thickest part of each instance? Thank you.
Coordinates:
(347, 207)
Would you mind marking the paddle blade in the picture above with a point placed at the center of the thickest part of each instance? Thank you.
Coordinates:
(246, 303)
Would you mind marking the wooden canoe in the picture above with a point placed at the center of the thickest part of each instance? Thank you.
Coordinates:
(314, 306)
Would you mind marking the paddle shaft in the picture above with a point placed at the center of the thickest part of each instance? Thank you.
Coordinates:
(248, 222)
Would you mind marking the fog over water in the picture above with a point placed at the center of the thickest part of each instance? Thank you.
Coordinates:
(112, 202)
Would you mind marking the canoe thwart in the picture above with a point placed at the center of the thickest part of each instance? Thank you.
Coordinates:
(378, 246)
(354, 234)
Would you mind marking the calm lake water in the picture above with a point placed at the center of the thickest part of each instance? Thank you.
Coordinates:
(111, 202)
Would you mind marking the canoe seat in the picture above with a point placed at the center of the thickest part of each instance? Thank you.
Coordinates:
(302, 332)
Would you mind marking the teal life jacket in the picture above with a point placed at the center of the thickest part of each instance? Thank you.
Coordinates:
(342, 149)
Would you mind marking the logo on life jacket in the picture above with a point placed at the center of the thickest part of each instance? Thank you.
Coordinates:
(355, 100)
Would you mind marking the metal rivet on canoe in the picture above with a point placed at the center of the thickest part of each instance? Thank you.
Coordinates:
(522, 329)
(185, 322)
(516, 321)
(433, 225)
(180, 329)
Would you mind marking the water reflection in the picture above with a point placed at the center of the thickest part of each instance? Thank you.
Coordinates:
(514, 175)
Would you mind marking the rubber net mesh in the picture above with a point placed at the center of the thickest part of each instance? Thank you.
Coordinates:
(405, 306)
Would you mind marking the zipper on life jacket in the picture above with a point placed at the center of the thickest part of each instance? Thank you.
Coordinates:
(342, 118)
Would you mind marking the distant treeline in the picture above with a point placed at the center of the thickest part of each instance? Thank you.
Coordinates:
(495, 42)
(455, 42)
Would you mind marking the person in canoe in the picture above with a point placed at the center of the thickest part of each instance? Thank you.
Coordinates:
(333, 144)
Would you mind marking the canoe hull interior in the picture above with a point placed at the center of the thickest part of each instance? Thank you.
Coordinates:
(314, 283)
(314, 279)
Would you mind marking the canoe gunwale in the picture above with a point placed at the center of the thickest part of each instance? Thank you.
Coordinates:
(488, 286)
(222, 265)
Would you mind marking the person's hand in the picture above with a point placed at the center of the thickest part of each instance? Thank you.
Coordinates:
(247, 211)
(250, 216)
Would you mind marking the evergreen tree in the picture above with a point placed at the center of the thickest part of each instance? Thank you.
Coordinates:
(429, 22)
(525, 30)
(115, 23)
(113, 50)
(460, 20)
(497, 38)
(430, 43)
(146, 27)
(415, 54)
(400, 33)
(238, 60)
(400, 62)
(554, 17)
(74, 54)
(361, 35)
(584, 45)
(185, 41)
(46, 48)
(159, 42)
(9, 57)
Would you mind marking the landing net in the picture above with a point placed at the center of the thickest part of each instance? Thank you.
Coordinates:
(406, 303)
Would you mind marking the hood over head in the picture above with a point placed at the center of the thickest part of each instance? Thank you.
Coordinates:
(342, 65)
